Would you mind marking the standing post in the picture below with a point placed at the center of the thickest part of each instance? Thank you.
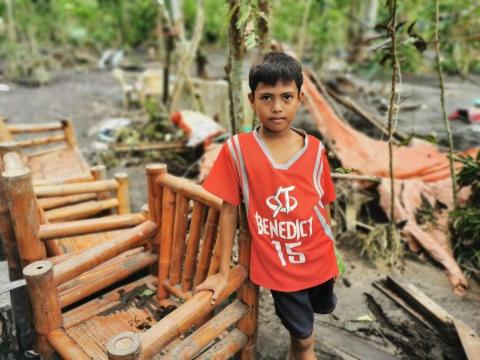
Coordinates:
(155, 200)
(46, 309)
(99, 172)
(122, 194)
(18, 297)
(21, 200)
(5, 134)
(69, 131)
(248, 293)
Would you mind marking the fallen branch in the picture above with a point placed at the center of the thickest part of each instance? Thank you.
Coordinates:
(146, 146)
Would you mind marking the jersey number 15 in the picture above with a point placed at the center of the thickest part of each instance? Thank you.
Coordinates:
(294, 257)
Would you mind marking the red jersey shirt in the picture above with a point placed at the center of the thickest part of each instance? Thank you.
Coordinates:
(292, 242)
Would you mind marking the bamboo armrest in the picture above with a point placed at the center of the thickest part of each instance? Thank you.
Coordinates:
(189, 189)
(81, 227)
(96, 255)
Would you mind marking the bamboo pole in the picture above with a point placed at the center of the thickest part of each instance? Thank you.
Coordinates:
(193, 344)
(47, 315)
(34, 128)
(155, 199)
(124, 346)
(41, 141)
(178, 241)
(211, 227)
(56, 202)
(79, 227)
(175, 290)
(42, 152)
(227, 347)
(94, 256)
(171, 146)
(191, 190)
(80, 211)
(217, 253)
(99, 172)
(66, 347)
(442, 103)
(98, 305)
(98, 271)
(69, 131)
(168, 211)
(76, 188)
(23, 208)
(248, 293)
(122, 194)
(196, 224)
(186, 315)
(106, 278)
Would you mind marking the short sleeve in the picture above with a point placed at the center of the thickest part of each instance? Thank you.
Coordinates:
(327, 182)
(223, 181)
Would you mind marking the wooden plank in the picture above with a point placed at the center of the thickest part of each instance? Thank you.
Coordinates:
(469, 339)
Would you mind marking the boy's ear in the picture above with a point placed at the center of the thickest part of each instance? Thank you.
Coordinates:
(301, 95)
(251, 99)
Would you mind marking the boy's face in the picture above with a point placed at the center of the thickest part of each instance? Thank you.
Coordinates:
(277, 105)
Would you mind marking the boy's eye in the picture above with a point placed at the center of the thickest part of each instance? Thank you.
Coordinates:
(288, 97)
(266, 97)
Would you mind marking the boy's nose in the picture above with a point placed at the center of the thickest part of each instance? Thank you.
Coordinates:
(276, 106)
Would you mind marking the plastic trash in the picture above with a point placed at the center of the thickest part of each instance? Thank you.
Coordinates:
(198, 127)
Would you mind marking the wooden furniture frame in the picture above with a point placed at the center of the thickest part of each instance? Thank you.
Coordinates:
(38, 210)
(182, 230)
(49, 165)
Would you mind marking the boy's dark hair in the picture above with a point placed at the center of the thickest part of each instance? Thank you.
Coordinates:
(275, 66)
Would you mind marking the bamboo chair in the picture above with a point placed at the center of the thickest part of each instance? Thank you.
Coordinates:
(125, 323)
(59, 164)
(38, 210)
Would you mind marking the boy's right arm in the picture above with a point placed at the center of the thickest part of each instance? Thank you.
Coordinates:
(228, 226)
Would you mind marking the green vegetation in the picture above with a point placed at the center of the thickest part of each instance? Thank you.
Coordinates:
(38, 29)
(466, 219)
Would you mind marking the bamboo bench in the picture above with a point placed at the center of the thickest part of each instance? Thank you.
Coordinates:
(61, 163)
(129, 322)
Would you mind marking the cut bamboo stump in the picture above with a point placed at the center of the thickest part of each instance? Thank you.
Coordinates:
(124, 346)
(46, 309)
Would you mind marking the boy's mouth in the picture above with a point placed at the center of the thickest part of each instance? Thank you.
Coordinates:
(277, 119)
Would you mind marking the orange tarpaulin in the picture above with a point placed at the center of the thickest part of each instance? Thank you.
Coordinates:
(419, 169)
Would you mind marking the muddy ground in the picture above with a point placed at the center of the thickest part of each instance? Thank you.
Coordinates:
(90, 96)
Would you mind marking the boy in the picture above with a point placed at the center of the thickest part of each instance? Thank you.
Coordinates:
(283, 177)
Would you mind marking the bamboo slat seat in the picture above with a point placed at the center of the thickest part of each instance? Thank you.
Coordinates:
(50, 150)
(157, 316)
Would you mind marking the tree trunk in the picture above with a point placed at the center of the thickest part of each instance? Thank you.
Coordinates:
(236, 51)
(264, 26)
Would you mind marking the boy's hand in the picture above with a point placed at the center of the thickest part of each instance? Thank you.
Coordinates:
(215, 283)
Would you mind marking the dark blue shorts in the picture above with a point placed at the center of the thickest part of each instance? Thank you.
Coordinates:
(295, 309)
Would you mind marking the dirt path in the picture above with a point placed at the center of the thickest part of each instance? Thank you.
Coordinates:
(91, 96)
